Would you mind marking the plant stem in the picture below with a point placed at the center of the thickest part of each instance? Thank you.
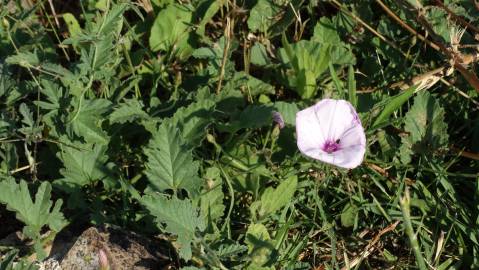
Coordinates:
(406, 212)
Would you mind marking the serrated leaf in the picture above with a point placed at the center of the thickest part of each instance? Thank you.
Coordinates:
(27, 115)
(193, 120)
(87, 124)
(34, 214)
(180, 217)
(24, 59)
(129, 111)
(426, 127)
(274, 199)
(83, 164)
(226, 251)
(170, 162)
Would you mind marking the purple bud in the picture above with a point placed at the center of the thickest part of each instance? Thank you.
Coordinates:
(278, 119)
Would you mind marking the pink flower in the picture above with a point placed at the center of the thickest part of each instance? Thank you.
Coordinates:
(103, 260)
(331, 131)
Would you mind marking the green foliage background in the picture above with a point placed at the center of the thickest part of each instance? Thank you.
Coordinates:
(156, 116)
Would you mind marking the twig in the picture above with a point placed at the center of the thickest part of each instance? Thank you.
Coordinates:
(370, 247)
(24, 168)
(406, 26)
(459, 92)
(454, 57)
(228, 33)
(385, 173)
(465, 154)
(54, 13)
(435, 74)
(372, 30)
(457, 18)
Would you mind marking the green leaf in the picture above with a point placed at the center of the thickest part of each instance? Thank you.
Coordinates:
(211, 200)
(180, 217)
(72, 24)
(206, 10)
(309, 59)
(8, 262)
(352, 87)
(250, 84)
(348, 215)
(260, 246)
(253, 116)
(426, 127)
(29, 128)
(391, 106)
(259, 55)
(193, 120)
(24, 59)
(83, 164)
(129, 111)
(288, 111)
(274, 199)
(34, 214)
(88, 122)
(171, 30)
(170, 162)
(225, 251)
(326, 33)
(262, 16)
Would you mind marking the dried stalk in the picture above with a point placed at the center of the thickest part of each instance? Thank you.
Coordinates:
(370, 247)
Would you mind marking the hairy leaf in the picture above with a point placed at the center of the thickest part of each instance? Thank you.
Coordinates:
(34, 214)
(193, 120)
(83, 164)
(87, 123)
(170, 162)
(129, 111)
(426, 127)
(180, 217)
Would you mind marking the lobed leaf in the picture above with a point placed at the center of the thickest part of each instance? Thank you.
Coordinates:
(180, 217)
(170, 162)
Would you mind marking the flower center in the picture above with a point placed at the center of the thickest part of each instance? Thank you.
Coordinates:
(331, 146)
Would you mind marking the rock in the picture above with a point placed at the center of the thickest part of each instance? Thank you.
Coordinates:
(50, 264)
(123, 250)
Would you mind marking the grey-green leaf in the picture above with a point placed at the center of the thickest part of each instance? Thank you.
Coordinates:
(170, 162)
(180, 216)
